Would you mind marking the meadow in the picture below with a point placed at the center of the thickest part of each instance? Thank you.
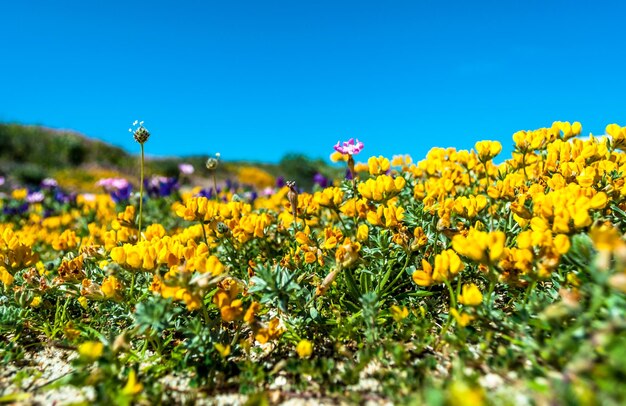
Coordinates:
(462, 278)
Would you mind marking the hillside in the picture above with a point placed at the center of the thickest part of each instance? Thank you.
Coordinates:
(28, 154)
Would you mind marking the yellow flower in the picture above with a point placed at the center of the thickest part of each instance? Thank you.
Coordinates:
(399, 313)
(19, 194)
(460, 394)
(618, 135)
(338, 156)
(90, 351)
(362, 232)
(69, 331)
(83, 302)
(562, 244)
(251, 312)
(378, 166)
(5, 277)
(214, 266)
(386, 216)
(423, 277)
(272, 331)
(132, 387)
(419, 238)
(470, 295)
(304, 349)
(480, 246)
(606, 238)
(447, 264)
(111, 287)
(329, 197)
(487, 150)
(224, 350)
(463, 319)
(381, 188)
(232, 311)
(36, 301)
(347, 253)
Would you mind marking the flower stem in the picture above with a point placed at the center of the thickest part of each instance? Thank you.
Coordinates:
(215, 188)
(140, 194)
(206, 241)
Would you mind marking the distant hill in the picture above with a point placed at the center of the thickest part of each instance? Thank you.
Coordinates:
(29, 154)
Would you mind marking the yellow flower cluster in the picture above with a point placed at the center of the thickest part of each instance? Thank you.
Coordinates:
(455, 215)
(381, 188)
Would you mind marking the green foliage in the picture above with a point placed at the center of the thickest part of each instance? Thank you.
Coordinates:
(275, 286)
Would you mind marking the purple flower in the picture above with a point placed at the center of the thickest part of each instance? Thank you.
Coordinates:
(62, 197)
(160, 186)
(118, 188)
(319, 179)
(35, 197)
(49, 183)
(121, 194)
(208, 192)
(13, 211)
(186, 169)
(230, 185)
(280, 182)
(349, 147)
(1, 180)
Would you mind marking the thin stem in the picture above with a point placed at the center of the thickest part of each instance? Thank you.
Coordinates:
(529, 289)
(206, 241)
(132, 285)
(215, 187)
(452, 295)
(236, 337)
(524, 165)
(398, 276)
(492, 286)
(141, 194)
(338, 213)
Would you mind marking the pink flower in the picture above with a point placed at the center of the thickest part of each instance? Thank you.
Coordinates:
(185, 169)
(349, 147)
(113, 183)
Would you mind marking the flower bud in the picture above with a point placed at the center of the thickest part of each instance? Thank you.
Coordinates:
(141, 134)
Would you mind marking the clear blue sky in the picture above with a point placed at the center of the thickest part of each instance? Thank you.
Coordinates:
(258, 79)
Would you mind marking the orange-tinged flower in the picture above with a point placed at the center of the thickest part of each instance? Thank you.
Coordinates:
(232, 311)
(271, 332)
(347, 253)
(423, 277)
(251, 312)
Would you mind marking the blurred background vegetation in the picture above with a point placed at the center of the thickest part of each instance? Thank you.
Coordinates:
(28, 154)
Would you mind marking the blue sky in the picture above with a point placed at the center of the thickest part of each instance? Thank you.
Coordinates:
(256, 80)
